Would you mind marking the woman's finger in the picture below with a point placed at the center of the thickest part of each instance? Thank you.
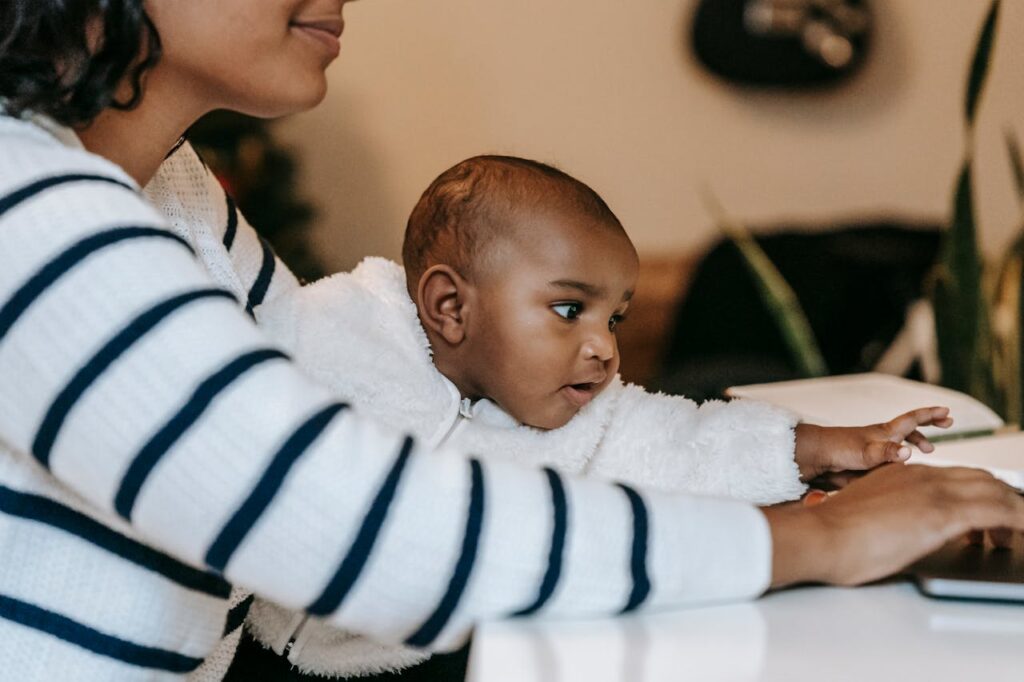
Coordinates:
(814, 498)
(1001, 537)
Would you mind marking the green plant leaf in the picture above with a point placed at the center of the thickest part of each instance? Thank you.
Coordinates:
(1013, 150)
(962, 321)
(1016, 384)
(980, 62)
(777, 295)
(1007, 339)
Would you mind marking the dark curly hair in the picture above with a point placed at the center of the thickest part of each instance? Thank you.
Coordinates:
(48, 65)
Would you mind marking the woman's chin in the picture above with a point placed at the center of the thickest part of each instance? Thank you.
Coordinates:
(291, 103)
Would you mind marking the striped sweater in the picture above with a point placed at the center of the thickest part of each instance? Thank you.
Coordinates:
(359, 334)
(156, 449)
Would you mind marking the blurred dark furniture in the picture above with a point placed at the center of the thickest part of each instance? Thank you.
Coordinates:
(854, 282)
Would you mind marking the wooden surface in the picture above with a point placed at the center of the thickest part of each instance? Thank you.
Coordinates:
(645, 334)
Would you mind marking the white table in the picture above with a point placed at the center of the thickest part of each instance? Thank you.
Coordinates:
(819, 634)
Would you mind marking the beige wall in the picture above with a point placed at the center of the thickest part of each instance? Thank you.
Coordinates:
(607, 90)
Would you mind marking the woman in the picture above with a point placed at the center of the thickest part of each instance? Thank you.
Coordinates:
(154, 448)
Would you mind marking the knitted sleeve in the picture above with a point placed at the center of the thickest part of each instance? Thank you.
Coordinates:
(741, 449)
(187, 194)
(143, 386)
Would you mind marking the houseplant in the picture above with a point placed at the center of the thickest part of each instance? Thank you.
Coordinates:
(977, 306)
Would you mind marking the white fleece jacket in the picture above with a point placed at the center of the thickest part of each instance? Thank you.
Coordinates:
(358, 333)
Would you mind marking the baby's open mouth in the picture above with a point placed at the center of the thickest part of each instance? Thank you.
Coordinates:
(580, 394)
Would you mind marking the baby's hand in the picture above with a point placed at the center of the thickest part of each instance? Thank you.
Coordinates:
(824, 449)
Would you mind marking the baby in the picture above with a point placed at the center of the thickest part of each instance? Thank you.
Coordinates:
(499, 338)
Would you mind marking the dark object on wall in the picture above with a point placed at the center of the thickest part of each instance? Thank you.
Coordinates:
(854, 283)
(259, 174)
(782, 43)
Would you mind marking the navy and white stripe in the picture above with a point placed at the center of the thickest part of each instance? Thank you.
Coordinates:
(355, 560)
(428, 632)
(39, 509)
(259, 288)
(38, 187)
(176, 426)
(91, 639)
(28, 605)
(559, 525)
(232, 225)
(242, 521)
(67, 260)
(104, 358)
(638, 558)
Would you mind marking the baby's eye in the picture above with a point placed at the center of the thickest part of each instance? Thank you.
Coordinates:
(614, 321)
(569, 311)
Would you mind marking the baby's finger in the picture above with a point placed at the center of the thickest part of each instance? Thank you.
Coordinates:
(884, 451)
(923, 416)
(920, 441)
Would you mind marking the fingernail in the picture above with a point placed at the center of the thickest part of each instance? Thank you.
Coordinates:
(903, 452)
(814, 497)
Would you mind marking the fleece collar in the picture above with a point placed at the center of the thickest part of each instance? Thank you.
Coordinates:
(359, 334)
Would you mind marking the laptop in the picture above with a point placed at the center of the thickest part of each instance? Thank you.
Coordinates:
(960, 570)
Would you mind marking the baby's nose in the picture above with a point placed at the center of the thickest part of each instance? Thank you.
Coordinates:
(600, 346)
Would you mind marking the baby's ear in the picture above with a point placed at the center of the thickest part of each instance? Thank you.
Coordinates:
(440, 300)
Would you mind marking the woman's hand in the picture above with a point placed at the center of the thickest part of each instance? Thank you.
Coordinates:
(886, 520)
(831, 449)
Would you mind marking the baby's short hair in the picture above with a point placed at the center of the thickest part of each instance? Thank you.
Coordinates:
(476, 200)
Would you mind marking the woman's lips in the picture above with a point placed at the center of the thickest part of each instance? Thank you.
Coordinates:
(326, 33)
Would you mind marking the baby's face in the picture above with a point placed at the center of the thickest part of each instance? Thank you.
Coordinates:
(542, 342)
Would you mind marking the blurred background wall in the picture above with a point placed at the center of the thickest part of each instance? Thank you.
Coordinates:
(610, 91)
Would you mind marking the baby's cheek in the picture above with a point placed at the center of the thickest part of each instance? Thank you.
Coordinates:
(554, 417)
(613, 364)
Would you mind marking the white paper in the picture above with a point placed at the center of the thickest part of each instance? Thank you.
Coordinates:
(861, 399)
